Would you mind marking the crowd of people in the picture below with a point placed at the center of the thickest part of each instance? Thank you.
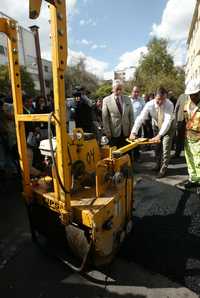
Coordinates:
(81, 112)
(158, 116)
(34, 133)
(162, 120)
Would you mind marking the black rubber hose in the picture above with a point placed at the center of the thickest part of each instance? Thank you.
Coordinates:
(52, 154)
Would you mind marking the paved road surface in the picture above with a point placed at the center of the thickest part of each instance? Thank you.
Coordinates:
(160, 259)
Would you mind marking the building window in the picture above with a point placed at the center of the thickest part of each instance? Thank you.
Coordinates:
(46, 69)
(2, 50)
(47, 83)
(31, 61)
(35, 77)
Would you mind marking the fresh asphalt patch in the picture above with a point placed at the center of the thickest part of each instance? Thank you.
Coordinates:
(165, 240)
(166, 232)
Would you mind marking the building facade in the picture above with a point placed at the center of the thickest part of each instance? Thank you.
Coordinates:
(120, 75)
(125, 74)
(27, 56)
(193, 43)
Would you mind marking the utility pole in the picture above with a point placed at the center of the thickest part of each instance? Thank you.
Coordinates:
(35, 30)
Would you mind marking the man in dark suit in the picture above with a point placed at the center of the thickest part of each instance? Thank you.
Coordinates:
(83, 112)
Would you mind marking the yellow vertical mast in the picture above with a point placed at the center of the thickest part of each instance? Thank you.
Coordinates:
(9, 27)
(59, 59)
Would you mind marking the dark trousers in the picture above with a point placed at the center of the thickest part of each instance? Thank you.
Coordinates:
(118, 142)
(147, 128)
(179, 138)
(136, 151)
(163, 150)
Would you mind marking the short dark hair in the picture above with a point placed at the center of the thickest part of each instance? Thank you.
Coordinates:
(76, 94)
(161, 91)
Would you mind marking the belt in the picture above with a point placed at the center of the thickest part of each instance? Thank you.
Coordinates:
(192, 133)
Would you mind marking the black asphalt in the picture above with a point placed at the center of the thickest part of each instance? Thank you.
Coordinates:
(165, 240)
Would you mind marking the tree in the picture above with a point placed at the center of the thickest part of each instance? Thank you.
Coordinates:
(28, 85)
(4, 80)
(104, 90)
(26, 79)
(157, 68)
(77, 75)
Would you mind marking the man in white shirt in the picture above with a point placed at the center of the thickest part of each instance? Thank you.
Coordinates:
(161, 111)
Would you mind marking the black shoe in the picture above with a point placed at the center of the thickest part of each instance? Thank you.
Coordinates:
(162, 173)
(190, 184)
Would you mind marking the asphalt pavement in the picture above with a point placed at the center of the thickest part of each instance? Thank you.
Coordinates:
(161, 257)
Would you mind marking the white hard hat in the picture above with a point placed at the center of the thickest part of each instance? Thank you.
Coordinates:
(192, 87)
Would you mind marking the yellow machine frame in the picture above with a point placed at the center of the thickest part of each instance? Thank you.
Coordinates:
(59, 58)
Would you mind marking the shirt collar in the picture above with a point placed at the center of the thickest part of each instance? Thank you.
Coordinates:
(120, 97)
(157, 106)
(136, 99)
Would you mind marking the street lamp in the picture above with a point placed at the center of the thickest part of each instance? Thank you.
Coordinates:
(35, 30)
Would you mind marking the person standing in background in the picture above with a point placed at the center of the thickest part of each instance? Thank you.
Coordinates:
(172, 98)
(42, 108)
(192, 141)
(138, 104)
(117, 116)
(179, 137)
(83, 111)
(97, 119)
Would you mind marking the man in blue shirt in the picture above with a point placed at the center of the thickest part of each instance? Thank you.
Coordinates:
(138, 105)
(137, 102)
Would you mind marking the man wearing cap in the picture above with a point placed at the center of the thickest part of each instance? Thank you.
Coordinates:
(117, 115)
(192, 140)
(161, 111)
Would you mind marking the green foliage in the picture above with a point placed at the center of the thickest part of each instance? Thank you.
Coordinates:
(156, 68)
(104, 90)
(128, 86)
(26, 79)
(78, 76)
(4, 80)
(27, 82)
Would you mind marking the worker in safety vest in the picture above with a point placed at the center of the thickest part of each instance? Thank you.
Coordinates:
(192, 141)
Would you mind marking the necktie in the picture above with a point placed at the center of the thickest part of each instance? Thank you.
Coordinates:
(118, 105)
(160, 116)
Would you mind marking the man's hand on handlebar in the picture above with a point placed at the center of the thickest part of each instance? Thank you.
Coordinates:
(156, 139)
(132, 136)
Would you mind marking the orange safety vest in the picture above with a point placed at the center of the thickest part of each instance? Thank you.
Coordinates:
(192, 118)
